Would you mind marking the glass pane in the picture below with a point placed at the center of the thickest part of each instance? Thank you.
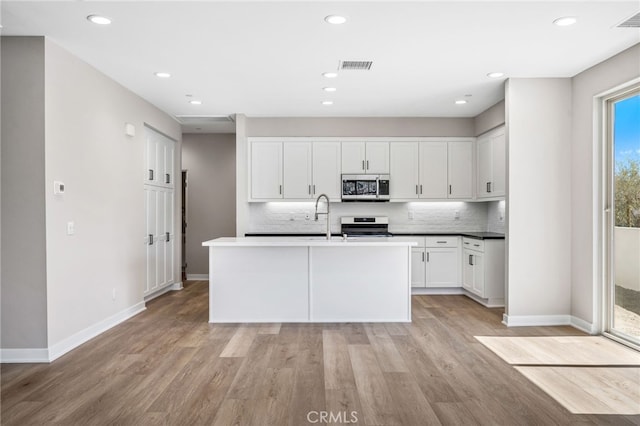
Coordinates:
(626, 233)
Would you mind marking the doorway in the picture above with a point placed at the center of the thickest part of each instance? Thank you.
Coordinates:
(184, 225)
(622, 228)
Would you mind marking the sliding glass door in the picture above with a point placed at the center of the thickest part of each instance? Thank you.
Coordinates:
(622, 310)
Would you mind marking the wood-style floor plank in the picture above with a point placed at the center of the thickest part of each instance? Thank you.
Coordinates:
(169, 366)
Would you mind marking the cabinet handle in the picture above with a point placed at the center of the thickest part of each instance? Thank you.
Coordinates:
(167, 178)
(314, 190)
(367, 164)
(309, 189)
(420, 189)
(471, 259)
(441, 242)
(423, 256)
(168, 236)
(416, 189)
(427, 256)
(488, 186)
(363, 165)
(477, 245)
(150, 239)
(449, 189)
(280, 189)
(150, 174)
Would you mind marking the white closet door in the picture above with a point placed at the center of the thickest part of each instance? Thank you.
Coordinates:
(151, 203)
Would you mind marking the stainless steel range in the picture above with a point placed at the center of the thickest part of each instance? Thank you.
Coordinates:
(365, 226)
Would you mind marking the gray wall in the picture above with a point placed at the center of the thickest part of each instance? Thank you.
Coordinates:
(490, 119)
(210, 161)
(585, 175)
(538, 202)
(360, 126)
(24, 282)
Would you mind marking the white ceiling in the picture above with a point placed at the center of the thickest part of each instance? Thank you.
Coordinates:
(265, 59)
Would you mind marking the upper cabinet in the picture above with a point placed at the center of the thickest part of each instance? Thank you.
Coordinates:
(266, 170)
(160, 160)
(491, 164)
(365, 157)
(431, 170)
(295, 170)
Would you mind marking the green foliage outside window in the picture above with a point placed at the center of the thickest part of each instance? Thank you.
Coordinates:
(627, 198)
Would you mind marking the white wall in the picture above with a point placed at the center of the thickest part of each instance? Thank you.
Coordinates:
(210, 162)
(103, 172)
(538, 198)
(24, 281)
(585, 176)
(490, 119)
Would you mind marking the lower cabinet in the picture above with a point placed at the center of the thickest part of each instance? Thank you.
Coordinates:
(160, 238)
(483, 269)
(435, 262)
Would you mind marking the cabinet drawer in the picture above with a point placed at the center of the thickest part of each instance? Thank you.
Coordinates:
(418, 240)
(442, 241)
(473, 244)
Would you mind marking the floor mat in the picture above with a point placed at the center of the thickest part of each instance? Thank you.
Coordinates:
(590, 390)
(561, 350)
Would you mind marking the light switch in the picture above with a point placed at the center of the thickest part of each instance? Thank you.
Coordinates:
(71, 228)
(58, 187)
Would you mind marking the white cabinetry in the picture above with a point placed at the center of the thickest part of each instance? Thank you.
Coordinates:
(326, 170)
(365, 157)
(431, 170)
(159, 211)
(435, 261)
(483, 269)
(418, 267)
(297, 170)
(159, 159)
(491, 164)
(266, 170)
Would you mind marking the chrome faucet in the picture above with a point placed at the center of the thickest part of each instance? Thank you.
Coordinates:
(327, 213)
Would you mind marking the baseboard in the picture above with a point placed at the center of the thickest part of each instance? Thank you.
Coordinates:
(17, 356)
(197, 277)
(535, 320)
(173, 287)
(583, 325)
(72, 342)
(417, 291)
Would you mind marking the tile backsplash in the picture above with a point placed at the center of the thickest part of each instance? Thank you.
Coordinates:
(298, 217)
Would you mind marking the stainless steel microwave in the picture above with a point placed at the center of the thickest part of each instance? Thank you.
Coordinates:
(365, 187)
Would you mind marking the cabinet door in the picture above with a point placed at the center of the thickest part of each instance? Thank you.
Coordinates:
(433, 170)
(467, 269)
(484, 166)
(498, 159)
(478, 274)
(151, 208)
(377, 157)
(266, 170)
(169, 238)
(403, 169)
(443, 267)
(169, 162)
(418, 264)
(460, 170)
(151, 159)
(297, 170)
(326, 170)
(353, 157)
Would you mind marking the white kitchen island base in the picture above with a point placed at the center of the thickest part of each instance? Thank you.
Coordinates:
(309, 280)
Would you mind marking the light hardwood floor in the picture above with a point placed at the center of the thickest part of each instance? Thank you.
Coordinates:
(169, 366)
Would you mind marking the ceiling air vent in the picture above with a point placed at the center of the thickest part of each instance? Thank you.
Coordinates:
(632, 22)
(356, 65)
(203, 119)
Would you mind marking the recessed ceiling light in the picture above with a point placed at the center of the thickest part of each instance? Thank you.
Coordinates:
(565, 21)
(330, 74)
(461, 102)
(100, 20)
(329, 89)
(327, 102)
(194, 102)
(495, 74)
(163, 75)
(335, 19)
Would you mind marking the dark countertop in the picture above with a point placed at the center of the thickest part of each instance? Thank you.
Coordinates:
(478, 235)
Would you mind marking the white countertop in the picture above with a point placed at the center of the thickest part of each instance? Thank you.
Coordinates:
(307, 242)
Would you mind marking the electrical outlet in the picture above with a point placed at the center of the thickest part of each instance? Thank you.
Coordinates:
(456, 215)
(113, 294)
(71, 228)
(410, 215)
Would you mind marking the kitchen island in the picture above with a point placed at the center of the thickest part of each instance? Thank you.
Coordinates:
(309, 279)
